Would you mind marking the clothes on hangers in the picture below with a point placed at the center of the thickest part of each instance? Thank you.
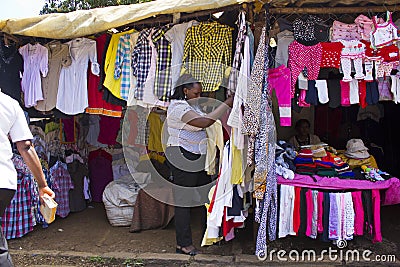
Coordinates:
(207, 53)
(72, 97)
(58, 57)
(35, 63)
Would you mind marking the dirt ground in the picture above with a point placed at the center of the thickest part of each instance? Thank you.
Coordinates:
(89, 231)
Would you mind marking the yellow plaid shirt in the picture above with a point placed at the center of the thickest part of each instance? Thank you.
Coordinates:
(207, 54)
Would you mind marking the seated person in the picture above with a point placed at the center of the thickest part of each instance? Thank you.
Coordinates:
(303, 136)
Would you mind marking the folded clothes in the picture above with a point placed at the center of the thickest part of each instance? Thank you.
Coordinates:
(348, 174)
(342, 168)
(324, 164)
(305, 153)
(299, 160)
(327, 173)
(306, 165)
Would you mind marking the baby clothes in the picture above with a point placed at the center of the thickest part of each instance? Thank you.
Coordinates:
(354, 96)
(345, 93)
(385, 33)
(384, 90)
(343, 31)
(285, 38)
(302, 99)
(322, 89)
(384, 69)
(395, 89)
(301, 56)
(365, 26)
(304, 31)
(279, 80)
(353, 50)
(362, 92)
(388, 53)
(372, 93)
(311, 95)
(331, 54)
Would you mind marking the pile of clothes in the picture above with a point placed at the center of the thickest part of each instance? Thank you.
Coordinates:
(321, 162)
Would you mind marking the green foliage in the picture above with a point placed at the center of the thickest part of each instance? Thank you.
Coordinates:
(63, 6)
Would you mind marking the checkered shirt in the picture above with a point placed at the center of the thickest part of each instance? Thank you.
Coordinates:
(62, 183)
(163, 79)
(237, 58)
(141, 60)
(123, 64)
(207, 53)
(18, 219)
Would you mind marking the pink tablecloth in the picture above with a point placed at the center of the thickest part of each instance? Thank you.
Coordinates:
(391, 186)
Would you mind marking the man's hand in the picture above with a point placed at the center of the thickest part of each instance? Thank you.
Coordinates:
(45, 190)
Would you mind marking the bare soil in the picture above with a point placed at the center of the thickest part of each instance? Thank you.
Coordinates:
(89, 231)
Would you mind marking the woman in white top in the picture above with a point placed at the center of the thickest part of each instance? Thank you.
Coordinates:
(186, 151)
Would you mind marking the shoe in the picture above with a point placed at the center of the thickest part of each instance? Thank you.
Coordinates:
(193, 252)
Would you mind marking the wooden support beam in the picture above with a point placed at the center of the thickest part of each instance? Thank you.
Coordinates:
(331, 10)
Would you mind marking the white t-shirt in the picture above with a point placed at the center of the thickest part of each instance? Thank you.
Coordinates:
(13, 124)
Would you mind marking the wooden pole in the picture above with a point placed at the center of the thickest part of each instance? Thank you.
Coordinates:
(331, 10)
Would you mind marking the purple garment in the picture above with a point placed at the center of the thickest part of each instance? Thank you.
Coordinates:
(109, 127)
(100, 173)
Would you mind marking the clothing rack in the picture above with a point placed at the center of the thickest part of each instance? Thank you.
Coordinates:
(332, 10)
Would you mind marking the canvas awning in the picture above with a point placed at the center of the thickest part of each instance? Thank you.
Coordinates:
(86, 22)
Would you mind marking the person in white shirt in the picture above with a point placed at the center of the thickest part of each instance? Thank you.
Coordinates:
(13, 126)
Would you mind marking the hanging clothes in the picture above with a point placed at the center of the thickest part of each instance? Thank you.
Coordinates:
(207, 53)
(141, 61)
(72, 95)
(35, 62)
(113, 85)
(77, 171)
(265, 179)
(100, 173)
(235, 119)
(162, 82)
(97, 105)
(251, 118)
(286, 209)
(176, 36)
(123, 69)
(11, 67)
(59, 57)
(233, 77)
(61, 185)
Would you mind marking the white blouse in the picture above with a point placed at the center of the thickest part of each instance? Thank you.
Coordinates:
(35, 61)
(72, 97)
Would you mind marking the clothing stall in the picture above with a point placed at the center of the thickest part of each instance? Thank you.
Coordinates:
(96, 98)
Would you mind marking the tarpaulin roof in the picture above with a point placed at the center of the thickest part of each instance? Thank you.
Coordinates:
(86, 22)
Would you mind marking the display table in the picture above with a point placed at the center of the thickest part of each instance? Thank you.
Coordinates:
(150, 213)
(391, 186)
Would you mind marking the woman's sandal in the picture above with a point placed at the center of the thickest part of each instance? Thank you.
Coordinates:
(193, 252)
